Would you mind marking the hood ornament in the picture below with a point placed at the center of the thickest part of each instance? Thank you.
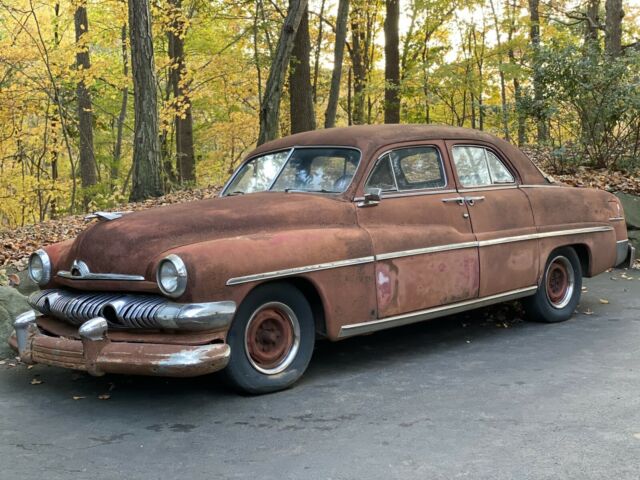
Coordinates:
(105, 216)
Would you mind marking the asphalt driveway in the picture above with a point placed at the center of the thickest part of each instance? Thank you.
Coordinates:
(469, 396)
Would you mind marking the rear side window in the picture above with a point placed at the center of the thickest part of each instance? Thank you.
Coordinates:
(414, 168)
(479, 167)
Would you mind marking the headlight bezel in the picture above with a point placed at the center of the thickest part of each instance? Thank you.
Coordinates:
(41, 255)
(181, 274)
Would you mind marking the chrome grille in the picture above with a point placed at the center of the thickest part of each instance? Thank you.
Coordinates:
(120, 310)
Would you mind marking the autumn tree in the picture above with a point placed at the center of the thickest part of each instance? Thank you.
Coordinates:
(88, 170)
(300, 90)
(146, 177)
(179, 86)
(538, 98)
(613, 27)
(392, 62)
(338, 56)
(270, 107)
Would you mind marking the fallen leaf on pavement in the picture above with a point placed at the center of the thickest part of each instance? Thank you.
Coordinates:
(76, 397)
(588, 311)
(604, 301)
(35, 381)
(104, 397)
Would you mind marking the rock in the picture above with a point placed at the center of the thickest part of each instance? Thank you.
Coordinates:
(631, 205)
(26, 286)
(12, 304)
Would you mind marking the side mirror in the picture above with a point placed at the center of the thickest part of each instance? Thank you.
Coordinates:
(371, 197)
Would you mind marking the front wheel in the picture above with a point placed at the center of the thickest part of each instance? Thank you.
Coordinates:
(560, 290)
(271, 339)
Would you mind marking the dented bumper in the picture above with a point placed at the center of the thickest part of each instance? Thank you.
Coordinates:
(95, 353)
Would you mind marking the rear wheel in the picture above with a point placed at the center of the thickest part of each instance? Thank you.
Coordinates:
(560, 290)
(271, 339)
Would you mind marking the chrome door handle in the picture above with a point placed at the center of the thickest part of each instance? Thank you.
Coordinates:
(458, 200)
(472, 200)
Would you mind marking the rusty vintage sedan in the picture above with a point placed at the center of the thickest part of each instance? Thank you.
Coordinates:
(325, 234)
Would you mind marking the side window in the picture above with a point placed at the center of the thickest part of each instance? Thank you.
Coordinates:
(382, 176)
(418, 168)
(478, 167)
(412, 168)
(499, 173)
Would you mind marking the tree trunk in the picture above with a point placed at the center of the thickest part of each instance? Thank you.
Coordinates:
(270, 108)
(358, 62)
(392, 62)
(534, 35)
(183, 120)
(146, 169)
(338, 56)
(316, 62)
(88, 172)
(117, 148)
(592, 24)
(613, 27)
(503, 88)
(301, 93)
(517, 89)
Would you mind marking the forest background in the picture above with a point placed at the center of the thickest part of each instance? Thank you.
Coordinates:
(104, 102)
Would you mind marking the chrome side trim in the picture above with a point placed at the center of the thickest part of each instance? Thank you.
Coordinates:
(422, 251)
(623, 241)
(535, 236)
(407, 253)
(616, 219)
(487, 243)
(293, 271)
(430, 313)
(101, 276)
(483, 189)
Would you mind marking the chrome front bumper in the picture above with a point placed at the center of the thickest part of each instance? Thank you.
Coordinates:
(131, 311)
(96, 354)
(625, 254)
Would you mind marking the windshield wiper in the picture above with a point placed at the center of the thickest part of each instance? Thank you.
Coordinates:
(236, 192)
(321, 190)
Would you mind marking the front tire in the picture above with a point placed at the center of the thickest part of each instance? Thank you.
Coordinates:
(271, 339)
(560, 290)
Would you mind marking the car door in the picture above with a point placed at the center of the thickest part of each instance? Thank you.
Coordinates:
(425, 250)
(501, 217)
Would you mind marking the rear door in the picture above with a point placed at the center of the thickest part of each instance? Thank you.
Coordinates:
(425, 250)
(501, 217)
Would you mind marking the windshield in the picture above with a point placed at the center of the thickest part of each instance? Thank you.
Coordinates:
(315, 169)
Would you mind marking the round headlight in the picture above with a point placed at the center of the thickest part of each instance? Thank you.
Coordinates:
(40, 267)
(172, 276)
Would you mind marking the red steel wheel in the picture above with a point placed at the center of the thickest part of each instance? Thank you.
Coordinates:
(272, 338)
(559, 281)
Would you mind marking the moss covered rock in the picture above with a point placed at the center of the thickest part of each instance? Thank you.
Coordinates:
(12, 304)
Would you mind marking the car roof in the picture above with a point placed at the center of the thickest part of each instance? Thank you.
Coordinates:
(370, 139)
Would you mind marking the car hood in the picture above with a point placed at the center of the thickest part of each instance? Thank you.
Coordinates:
(131, 243)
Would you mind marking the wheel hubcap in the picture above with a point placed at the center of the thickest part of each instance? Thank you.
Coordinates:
(272, 338)
(560, 281)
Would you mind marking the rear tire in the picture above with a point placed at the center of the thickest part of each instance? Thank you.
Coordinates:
(271, 339)
(560, 290)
